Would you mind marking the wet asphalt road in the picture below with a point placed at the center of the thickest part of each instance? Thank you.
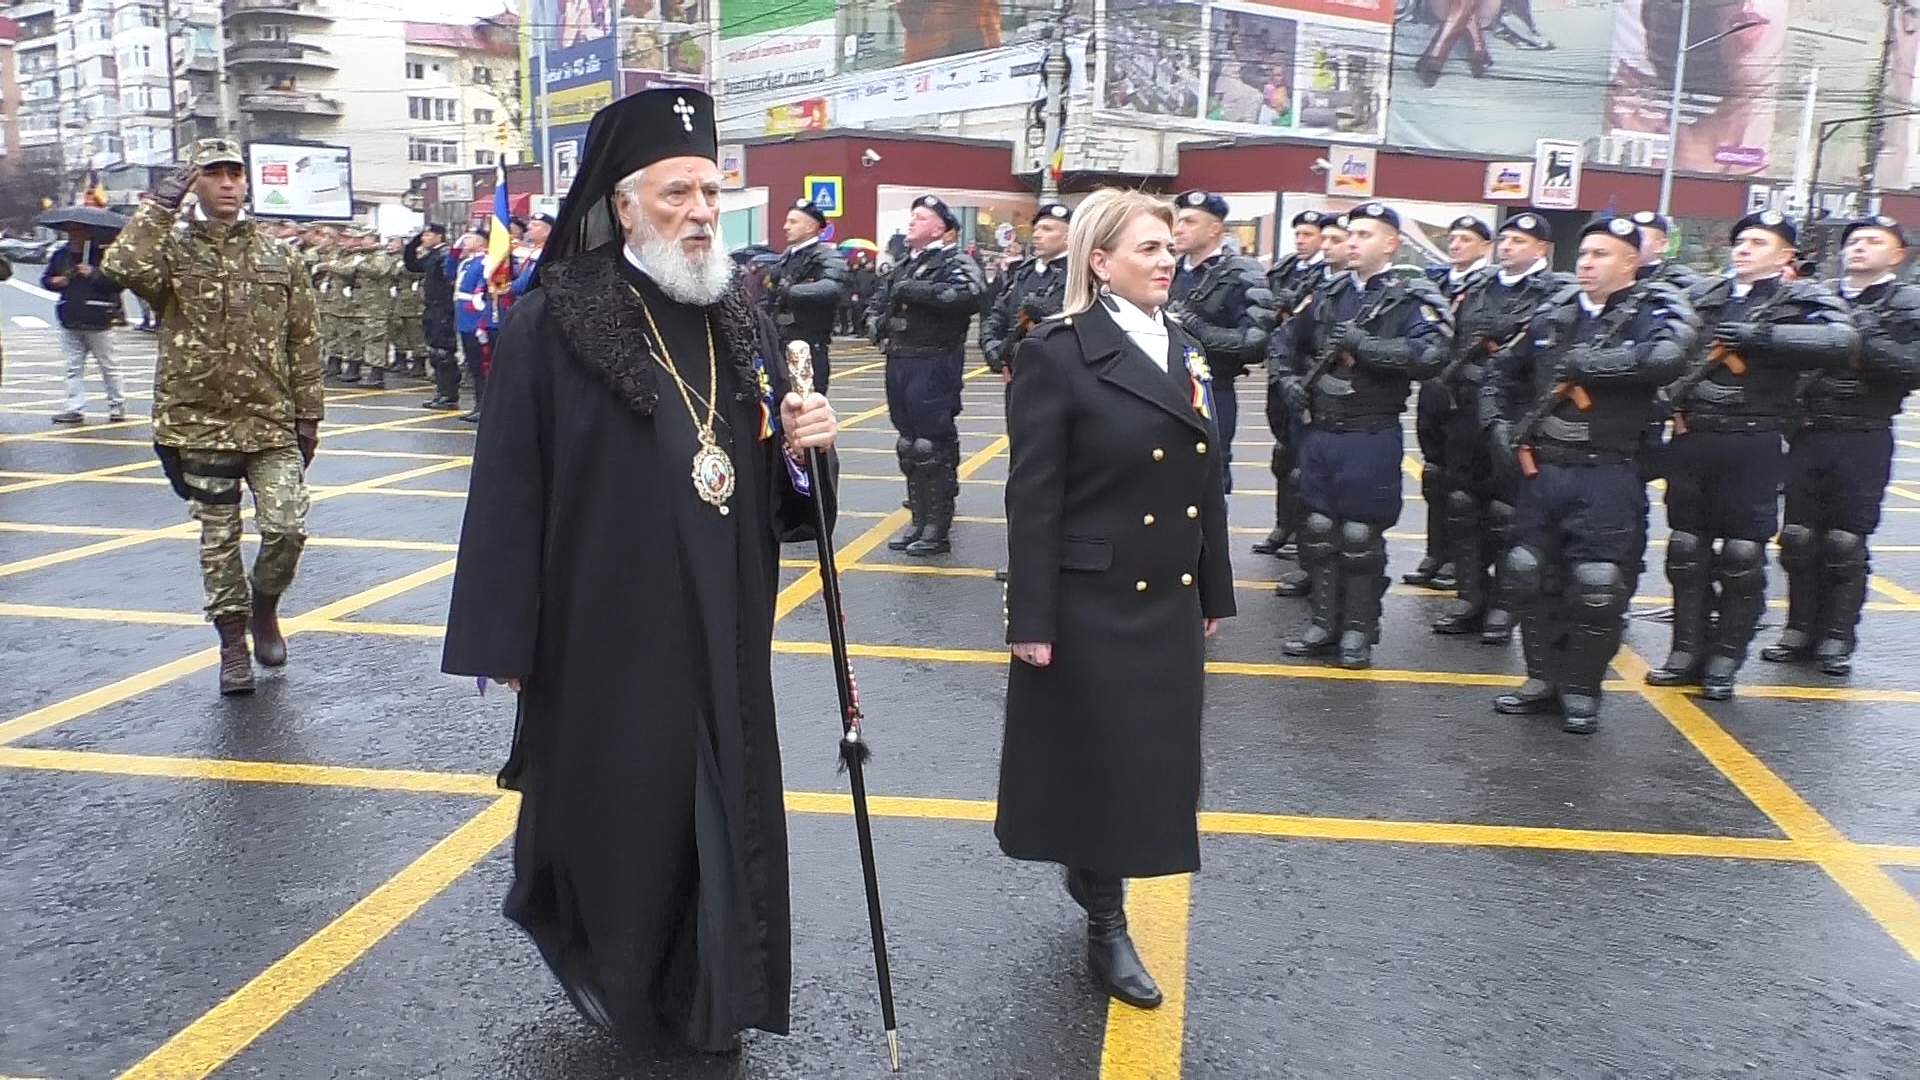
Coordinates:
(1397, 881)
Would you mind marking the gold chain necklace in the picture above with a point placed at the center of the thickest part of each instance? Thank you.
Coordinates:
(713, 478)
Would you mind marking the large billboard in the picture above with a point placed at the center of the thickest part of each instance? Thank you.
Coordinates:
(665, 43)
(1504, 76)
(880, 34)
(292, 180)
(1315, 68)
(771, 45)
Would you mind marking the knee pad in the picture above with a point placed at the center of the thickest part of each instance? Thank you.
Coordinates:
(1846, 553)
(1521, 574)
(1599, 592)
(1363, 549)
(1686, 554)
(1319, 540)
(1740, 567)
(903, 452)
(1462, 506)
(1500, 521)
(1799, 547)
(925, 452)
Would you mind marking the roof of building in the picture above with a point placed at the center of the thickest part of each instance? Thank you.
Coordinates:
(494, 34)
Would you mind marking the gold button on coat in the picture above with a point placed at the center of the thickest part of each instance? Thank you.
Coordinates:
(1193, 511)
(1186, 579)
(1158, 453)
(1199, 448)
(1139, 586)
(1148, 520)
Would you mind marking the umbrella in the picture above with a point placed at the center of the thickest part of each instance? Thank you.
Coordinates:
(91, 216)
(859, 245)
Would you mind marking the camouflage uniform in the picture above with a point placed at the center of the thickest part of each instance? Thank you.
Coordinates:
(404, 329)
(239, 366)
(331, 277)
(365, 313)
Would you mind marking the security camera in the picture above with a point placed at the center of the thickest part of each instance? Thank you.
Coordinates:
(869, 157)
(1321, 164)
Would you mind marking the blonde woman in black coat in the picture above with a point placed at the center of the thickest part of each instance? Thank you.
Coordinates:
(1118, 571)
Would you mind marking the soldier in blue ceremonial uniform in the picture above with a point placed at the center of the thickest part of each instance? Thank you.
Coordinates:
(1726, 462)
(1584, 379)
(1364, 340)
(1491, 310)
(1469, 251)
(1842, 455)
(920, 316)
(1222, 300)
(1291, 281)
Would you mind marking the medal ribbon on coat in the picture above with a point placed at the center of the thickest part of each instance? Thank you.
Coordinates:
(769, 413)
(1201, 378)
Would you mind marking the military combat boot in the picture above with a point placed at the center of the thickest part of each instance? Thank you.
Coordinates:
(943, 490)
(1539, 695)
(350, 372)
(236, 668)
(917, 506)
(269, 645)
(376, 379)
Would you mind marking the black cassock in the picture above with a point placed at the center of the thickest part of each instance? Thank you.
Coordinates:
(650, 864)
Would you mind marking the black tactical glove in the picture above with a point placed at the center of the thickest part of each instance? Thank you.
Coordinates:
(1743, 337)
(1350, 339)
(1296, 392)
(913, 291)
(172, 187)
(1036, 310)
(307, 434)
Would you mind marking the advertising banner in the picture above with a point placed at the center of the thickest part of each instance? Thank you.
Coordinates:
(1351, 171)
(288, 180)
(1509, 181)
(1296, 67)
(983, 80)
(580, 76)
(797, 116)
(879, 34)
(666, 42)
(771, 45)
(1556, 171)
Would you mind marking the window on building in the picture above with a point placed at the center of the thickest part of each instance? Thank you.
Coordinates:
(416, 70)
(273, 32)
(446, 110)
(483, 76)
(483, 157)
(433, 151)
(443, 110)
(483, 116)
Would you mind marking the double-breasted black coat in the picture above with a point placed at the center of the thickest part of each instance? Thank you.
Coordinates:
(1117, 536)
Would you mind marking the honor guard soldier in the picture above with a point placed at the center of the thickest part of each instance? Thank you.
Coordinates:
(1725, 463)
(1292, 280)
(1491, 312)
(1221, 300)
(805, 289)
(1368, 338)
(1283, 360)
(920, 317)
(1033, 290)
(1585, 379)
(1469, 250)
(1653, 253)
(1842, 456)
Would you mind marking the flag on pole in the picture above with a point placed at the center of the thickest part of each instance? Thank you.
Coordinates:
(96, 193)
(499, 264)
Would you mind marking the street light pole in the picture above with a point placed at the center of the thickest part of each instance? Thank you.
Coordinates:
(546, 127)
(1673, 108)
(1053, 71)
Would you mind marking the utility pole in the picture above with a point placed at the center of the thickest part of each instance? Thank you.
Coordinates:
(1053, 74)
(1876, 105)
(1673, 109)
(173, 95)
(545, 141)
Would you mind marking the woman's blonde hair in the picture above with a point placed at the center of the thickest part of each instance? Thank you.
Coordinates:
(1097, 225)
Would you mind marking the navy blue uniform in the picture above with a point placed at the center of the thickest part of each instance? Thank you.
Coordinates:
(1837, 471)
(1224, 304)
(1431, 412)
(803, 296)
(1726, 463)
(1358, 350)
(1293, 282)
(920, 316)
(1580, 519)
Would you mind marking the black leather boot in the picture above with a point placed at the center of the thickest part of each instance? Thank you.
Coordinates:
(1740, 572)
(916, 499)
(1847, 567)
(942, 487)
(269, 644)
(1363, 555)
(1319, 554)
(1496, 626)
(236, 667)
(1535, 697)
(1687, 556)
(350, 372)
(1110, 953)
(1800, 557)
(1463, 615)
(1539, 695)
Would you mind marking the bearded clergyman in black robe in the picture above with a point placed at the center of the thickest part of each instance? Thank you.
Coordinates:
(634, 478)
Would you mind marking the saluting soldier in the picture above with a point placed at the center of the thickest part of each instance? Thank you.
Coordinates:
(1031, 292)
(1469, 252)
(806, 286)
(1726, 463)
(1291, 281)
(1842, 455)
(920, 318)
(409, 304)
(1493, 309)
(1585, 379)
(237, 395)
(1222, 300)
(1367, 339)
(330, 277)
(370, 316)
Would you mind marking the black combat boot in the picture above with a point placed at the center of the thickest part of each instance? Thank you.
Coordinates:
(1496, 626)
(1363, 555)
(1539, 695)
(236, 667)
(1740, 572)
(943, 491)
(1847, 567)
(1319, 557)
(1463, 614)
(1594, 606)
(910, 468)
(1800, 558)
(1110, 953)
(1687, 557)
(350, 372)
(269, 644)
(376, 379)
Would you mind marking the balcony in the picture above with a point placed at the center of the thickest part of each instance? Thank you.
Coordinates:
(289, 102)
(279, 54)
(280, 9)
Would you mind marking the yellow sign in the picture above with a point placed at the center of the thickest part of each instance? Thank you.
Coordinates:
(577, 104)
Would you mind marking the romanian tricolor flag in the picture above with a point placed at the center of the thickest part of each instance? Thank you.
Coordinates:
(1201, 378)
(499, 263)
(96, 193)
(769, 412)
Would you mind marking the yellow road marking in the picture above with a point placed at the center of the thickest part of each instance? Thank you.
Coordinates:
(1891, 591)
(253, 772)
(1145, 1044)
(226, 1029)
(312, 541)
(1451, 834)
(1885, 900)
(50, 479)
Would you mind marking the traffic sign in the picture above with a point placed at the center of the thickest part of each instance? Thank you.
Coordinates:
(824, 191)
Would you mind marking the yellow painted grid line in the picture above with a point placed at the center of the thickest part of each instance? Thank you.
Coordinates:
(1145, 1044)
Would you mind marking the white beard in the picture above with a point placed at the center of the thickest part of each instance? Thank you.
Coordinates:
(697, 280)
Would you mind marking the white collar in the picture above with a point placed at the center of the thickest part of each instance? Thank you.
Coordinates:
(929, 249)
(1045, 264)
(1193, 262)
(1850, 292)
(1740, 290)
(1458, 276)
(1362, 283)
(803, 245)
(1590, 306)
(1145, 328)
(1512, 279)
(633, 259)
(1318, 258)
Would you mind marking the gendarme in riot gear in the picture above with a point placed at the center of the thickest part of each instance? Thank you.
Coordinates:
(1222, 300)
(805, 288)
